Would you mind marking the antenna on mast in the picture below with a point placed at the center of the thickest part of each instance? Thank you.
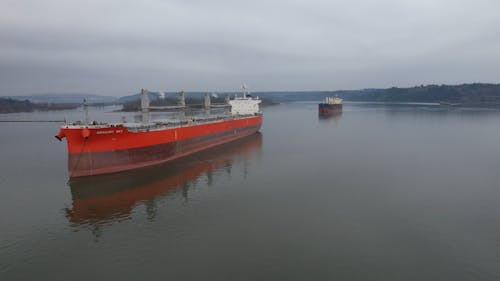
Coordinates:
(244, 89)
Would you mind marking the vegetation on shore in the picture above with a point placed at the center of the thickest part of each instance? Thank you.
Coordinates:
(466, 94)
(476, 94)
(8, 105)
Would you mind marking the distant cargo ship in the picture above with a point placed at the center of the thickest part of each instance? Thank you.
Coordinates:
(101, 148)
(330, 106)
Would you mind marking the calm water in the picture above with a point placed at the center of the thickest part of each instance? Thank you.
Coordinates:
(378, 193)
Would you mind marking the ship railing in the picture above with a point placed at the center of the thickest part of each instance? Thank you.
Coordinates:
(162, 124)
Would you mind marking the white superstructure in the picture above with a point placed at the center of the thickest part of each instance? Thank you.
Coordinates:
(244, 105)
(334, 100)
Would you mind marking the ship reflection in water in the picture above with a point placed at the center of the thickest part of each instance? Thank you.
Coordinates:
(333, 117)
(114, 196)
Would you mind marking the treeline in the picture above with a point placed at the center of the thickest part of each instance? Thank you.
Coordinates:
(466, 94)
(8, 105)
(469, 94)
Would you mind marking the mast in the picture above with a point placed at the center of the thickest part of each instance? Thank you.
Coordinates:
(182, 98)
(207, 101)
(86, 110)
(145, 106)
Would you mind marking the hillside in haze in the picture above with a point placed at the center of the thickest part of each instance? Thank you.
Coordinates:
(466, 94)
(476, 94)
(8, 105)
(65, 98)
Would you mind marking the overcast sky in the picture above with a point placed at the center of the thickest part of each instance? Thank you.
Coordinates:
(115, 47)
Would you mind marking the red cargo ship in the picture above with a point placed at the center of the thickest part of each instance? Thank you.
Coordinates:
(101, 148)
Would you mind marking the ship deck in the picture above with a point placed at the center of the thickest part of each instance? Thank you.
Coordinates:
(160, 124)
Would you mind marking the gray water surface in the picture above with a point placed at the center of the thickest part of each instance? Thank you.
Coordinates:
(380, 192)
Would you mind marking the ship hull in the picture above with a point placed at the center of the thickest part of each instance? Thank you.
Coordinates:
(325, 109)
(99, 198)
(114, 149)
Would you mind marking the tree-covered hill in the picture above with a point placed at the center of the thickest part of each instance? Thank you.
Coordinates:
(476, 94)
(8, 105)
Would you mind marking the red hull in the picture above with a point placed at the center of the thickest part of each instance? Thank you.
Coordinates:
(94, 151)
(108, 196)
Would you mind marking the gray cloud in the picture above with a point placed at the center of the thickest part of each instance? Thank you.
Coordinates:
(116, 47)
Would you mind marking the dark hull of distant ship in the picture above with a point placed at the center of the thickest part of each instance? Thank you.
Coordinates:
(326, 109)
